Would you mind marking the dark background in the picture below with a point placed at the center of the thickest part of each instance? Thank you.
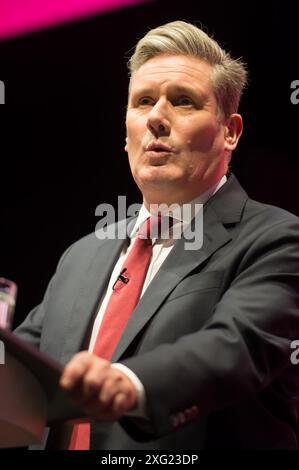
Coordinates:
(62, 127)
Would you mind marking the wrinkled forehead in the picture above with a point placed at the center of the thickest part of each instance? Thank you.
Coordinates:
(173, 69)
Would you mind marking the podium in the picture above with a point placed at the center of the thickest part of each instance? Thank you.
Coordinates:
(30, 397)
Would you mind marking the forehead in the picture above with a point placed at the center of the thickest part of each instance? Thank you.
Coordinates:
(173, 69)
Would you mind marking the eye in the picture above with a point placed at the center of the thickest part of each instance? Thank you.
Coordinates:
(184, 101)
(145, 101)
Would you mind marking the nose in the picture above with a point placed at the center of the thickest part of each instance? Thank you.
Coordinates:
(158, 119)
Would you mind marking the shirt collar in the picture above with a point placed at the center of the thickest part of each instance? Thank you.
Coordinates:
(181, 216)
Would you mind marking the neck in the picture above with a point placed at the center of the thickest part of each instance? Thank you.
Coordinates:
(167, 199)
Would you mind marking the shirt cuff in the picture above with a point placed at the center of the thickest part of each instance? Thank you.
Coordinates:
(140, 410)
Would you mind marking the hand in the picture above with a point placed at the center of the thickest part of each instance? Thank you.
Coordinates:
(103, 392)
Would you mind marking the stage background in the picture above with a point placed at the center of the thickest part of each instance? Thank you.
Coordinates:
(62, 127)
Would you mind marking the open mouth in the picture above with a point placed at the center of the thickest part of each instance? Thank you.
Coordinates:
(158, 147)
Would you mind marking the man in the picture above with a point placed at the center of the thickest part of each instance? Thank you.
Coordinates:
(203, 360)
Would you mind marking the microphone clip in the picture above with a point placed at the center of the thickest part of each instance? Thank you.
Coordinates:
(121, 278)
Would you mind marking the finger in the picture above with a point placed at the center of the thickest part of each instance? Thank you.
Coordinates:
(118, 396)
(95, 377)
(122, 402)
(102, 406)
(115, 385)
(110, 388)
(75, 370)
(95, 406)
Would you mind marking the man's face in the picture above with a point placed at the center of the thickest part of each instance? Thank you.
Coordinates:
(177, 140)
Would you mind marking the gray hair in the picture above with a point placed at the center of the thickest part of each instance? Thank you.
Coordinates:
(229, 76)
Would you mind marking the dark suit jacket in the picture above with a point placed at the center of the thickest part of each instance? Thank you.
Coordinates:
(210, 338)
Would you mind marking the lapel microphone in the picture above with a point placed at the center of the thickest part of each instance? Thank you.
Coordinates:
(121, 278)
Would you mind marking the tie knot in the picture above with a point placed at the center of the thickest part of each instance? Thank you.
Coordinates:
(151, 228)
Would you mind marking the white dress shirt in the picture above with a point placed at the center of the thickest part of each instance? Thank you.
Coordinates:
(161, 249)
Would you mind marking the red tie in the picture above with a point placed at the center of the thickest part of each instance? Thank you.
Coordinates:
(123, 300)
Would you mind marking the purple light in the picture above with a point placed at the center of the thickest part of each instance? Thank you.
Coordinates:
(23, 16)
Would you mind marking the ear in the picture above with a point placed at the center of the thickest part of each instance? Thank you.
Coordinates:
(233, 131)
(126, 146)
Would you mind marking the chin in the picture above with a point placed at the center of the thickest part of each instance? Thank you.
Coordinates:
(158, 175)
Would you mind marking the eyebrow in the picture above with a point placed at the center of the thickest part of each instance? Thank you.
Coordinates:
(173, 88)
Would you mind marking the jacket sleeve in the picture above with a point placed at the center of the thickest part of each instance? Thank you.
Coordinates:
(31, 328)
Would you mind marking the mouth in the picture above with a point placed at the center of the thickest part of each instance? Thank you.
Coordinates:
(159, 148)
(158, 152)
